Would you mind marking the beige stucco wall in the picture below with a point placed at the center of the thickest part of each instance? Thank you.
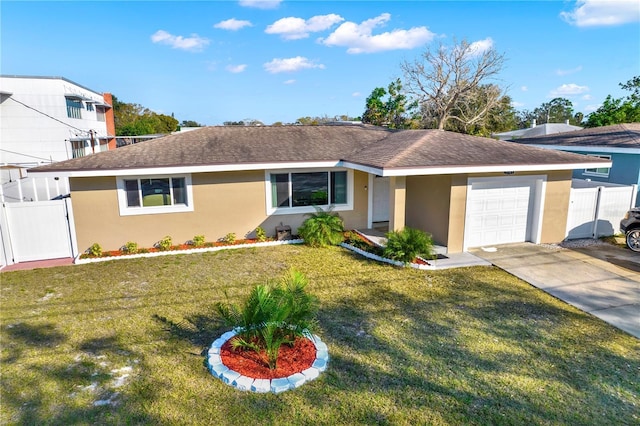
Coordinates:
(556, 206)
(397, 202)
(555, 209)
(428, 205)
(223, 202)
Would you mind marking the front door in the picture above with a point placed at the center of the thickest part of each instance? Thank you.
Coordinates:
(380, 199)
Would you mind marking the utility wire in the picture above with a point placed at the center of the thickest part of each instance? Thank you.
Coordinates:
(47, 115)
(26, 155)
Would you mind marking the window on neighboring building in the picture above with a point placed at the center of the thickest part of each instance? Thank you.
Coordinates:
(89, 106)
(599, 171)
(304, 189)
(100, 114)
(161, 194)
(74, 108)
(78, 148)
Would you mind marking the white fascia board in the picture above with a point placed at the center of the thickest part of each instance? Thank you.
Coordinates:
(360, 167)
(604, 149)
(492, 169)
(189, 169)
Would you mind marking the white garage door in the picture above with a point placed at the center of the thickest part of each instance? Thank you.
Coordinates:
(499, 211)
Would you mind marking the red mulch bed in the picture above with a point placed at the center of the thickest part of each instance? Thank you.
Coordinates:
(179, 247)
(291, 360)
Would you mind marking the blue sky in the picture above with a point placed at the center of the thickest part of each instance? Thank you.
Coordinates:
(216, 61)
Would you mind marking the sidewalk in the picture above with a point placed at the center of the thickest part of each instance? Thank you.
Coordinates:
(605, 290)
(23, 266)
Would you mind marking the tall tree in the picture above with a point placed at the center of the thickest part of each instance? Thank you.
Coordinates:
(190, 123)
(392, 112)
(557, 110)
(445, 79)
(134, 120)
(480, 115)
(616, 111)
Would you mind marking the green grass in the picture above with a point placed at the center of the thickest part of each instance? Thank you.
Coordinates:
(465, 346)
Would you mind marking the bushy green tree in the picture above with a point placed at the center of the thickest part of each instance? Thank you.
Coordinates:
(134, 120)
(621, 110)
(394, 112)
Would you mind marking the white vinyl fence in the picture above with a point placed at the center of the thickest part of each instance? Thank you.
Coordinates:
(37, 230)
(596, 212)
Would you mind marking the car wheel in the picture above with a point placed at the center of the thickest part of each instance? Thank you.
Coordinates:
(633, 239)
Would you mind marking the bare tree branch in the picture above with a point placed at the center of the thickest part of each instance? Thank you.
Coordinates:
(446, 81)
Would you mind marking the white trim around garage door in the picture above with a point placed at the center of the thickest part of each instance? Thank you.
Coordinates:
(535, 209)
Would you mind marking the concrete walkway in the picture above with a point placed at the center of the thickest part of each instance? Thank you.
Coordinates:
(599, 287)
(36, 264)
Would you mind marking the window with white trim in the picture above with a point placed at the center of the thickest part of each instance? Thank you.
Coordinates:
(294, 192)
(598, 171)
(154, 194)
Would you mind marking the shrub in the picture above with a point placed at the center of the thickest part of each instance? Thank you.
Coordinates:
(230, 238)
(322, 228)
(261, 234)
(198, 240)
(130, 247)
(408, 243)
(95, 250)
(272, 315)
(164, 244)
(354, 239)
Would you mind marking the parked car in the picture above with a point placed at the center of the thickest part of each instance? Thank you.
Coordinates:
(630, 227)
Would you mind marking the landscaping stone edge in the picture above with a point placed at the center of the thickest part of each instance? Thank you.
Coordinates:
(79, 261)
(244, 383)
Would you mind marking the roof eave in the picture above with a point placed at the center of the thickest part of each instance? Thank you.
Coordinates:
(586, 148)
(168, 170)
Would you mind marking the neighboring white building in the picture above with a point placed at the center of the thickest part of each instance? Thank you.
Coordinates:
(49, 119)
(537, 130)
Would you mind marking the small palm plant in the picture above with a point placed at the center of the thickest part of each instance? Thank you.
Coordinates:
(322, 228)
(272, 315)
(407, 244)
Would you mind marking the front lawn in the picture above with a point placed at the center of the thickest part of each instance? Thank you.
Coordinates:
(122, 342)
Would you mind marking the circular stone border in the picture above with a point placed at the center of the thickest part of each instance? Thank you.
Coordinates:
(245, 383)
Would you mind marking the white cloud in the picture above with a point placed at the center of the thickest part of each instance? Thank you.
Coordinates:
(236, 68)
(290, 65)
(587, 97)
(569, 90)
(599, 13)
(194, 43)
(517, 104)
(570, 71)
(232, 24)
(296, 28)
(260, 4)
(479, 47)
(358, 38)
(524, 88)
(356, 94)
(292, 81)
(590, 108)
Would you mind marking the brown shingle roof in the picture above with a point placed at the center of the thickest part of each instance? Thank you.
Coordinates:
(232, 145)
(435, 148)
(614, 136)
(361, 144)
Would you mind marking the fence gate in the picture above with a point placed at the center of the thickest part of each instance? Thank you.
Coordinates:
(36, 230)
(596, 212)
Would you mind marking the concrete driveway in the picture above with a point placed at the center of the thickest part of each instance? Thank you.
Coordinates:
(602, 280)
